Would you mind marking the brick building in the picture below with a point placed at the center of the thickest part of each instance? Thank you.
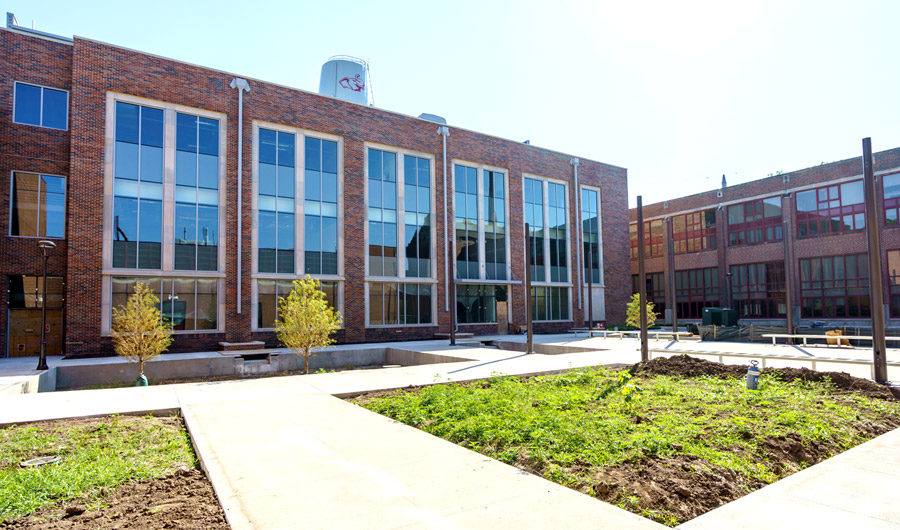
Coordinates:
(744, 246)
(129, 162)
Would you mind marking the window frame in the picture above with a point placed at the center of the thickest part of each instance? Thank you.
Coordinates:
(657, 294)
(890, 204)
(584, 257)
(12, 178)
(339, 298)
(570, 262)
(765, 287)
(804, 218)
(694, 230)
(650, 242)
(763, 223)
(861, 282)
(482, 239)
(696, 296)
(167, 269)
(300, 135)
(401, 277)
(41, 112)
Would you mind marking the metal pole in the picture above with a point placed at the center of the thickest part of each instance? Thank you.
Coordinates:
(671, 273)
(876, 289)
(42, 362)
(642, 279)
(729, 293)
(788, 278)
(529, 343)
(590, 288)
(452, 297)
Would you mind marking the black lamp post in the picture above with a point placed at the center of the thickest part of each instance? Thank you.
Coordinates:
(46, 249)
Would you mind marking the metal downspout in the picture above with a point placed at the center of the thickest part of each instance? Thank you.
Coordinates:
(241, 85)
(445, 132)
(579, 241)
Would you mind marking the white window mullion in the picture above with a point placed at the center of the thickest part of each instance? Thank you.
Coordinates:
(168, 206)
(545, 187)
(401, 221)
(299, 197)
(479, 190)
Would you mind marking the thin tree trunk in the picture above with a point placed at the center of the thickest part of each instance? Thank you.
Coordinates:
(140, 367)
(306, 360)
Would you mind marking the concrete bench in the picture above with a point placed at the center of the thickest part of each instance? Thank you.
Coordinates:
(805, 338)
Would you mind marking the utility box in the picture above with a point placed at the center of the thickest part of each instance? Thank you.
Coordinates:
(716, 316)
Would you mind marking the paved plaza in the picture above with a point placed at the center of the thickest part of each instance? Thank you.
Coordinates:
(287, 452)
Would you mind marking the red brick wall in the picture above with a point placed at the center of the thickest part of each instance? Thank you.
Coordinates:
(830, 245)
(29, 148)
(97, 68)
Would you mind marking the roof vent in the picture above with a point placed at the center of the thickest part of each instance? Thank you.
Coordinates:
(11, 20)
(433, 117)
(347, 78)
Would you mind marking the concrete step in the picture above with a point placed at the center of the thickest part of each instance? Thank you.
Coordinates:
(245, 353)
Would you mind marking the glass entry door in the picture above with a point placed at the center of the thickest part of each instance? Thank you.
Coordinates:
(25, 297)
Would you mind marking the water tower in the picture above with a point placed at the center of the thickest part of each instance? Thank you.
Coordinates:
(346, 78)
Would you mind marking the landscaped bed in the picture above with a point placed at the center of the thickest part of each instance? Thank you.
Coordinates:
(679, 438)
(114, 472)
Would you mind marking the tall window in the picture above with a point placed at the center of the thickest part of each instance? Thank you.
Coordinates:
(320, 207)
(38, 205)
(494, 192)
(393, 304)
(696, 289)
(590, 220)
(758, 290)
(269, 291)
(548, 199)
(196, 193)
(417, 215)
(656, 290)
(894, 281)
(477, 304)
(188, 304)
(835, 286)
(831, 209)
(466, 208)
(693, 232)
(891, 185)
(138, 172)
(653, 239)
(382, 213)
(755, 222)
(399, 201)
(41, 106)
(276, 202)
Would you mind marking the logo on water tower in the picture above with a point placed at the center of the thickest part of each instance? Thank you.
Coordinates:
(354, 83)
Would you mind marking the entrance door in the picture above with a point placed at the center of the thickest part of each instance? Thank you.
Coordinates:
(26, 295)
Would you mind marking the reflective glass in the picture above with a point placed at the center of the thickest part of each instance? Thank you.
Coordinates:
(267, 150)
(56, 109)
(126, 166)
(208, 172)
(208, 136)
(186, 133)
(151, 127)
(28, 104)
(127, 117)
(151, 163)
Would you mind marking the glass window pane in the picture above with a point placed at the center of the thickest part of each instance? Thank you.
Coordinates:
(313, 154)
(329, 234)
(127, 116)
(329, 187)
(852, 193)
(56, 109)
(209, 136)
(267, 151)
(285, 231)
(186, 168)
(186, 133)
(151, 163)
(329, 156)
(151, 127)
(28, 104)
(286, 149)
(285, 181)
(267, 181)
(25, 205)
(806, 201)
(207, 305)
(312, 233)
(313, 186)
(208, 171)
(126, 166)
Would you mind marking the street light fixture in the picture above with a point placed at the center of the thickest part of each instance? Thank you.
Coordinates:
(47, 248)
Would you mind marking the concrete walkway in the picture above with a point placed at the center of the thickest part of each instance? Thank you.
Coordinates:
(284, 452)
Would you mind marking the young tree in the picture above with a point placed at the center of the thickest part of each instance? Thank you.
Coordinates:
(305, 321)
(138, 330)
(633, 312)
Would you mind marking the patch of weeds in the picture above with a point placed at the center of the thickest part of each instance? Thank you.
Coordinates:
(94, 454)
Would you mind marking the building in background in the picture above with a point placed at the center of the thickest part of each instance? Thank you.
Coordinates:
(129, 162)
(738, 245)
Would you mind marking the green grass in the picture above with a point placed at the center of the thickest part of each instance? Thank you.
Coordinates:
(570, 425)
(94, 455)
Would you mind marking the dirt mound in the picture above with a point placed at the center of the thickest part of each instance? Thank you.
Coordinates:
(184, 499)
(684, 486)
(687, 366)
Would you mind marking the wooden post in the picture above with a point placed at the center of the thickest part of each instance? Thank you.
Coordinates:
(876, 288)
(642, 280)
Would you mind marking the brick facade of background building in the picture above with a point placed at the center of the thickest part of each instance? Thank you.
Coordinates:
(785, 187)
(91, 70)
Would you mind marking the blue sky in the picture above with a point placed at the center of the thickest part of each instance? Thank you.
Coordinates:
(678, 92)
